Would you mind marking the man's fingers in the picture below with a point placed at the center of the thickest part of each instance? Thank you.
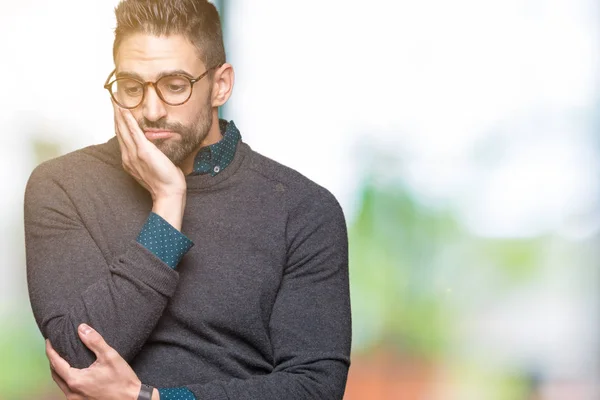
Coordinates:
(95, 342)
(122, 146)
(123, 132)
(136, 133)
(57, 363)
(125, 153)
(69, 394)
(125, 157)
(60, 382)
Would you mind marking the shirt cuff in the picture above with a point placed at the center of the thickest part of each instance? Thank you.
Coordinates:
(163, 240)
(176, 394)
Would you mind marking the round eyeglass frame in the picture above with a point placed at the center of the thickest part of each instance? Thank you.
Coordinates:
(108, 84)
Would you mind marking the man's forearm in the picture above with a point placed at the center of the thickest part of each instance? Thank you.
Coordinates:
(123, 306)
(323, 379)
(171, 209)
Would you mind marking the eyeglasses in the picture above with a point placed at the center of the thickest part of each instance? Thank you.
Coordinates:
(174, 89)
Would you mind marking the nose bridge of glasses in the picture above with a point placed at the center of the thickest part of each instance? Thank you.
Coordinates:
(147, 95)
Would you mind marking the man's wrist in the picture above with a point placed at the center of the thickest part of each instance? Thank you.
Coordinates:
(170, 209)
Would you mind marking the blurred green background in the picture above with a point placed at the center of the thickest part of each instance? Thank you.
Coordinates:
(460, 138)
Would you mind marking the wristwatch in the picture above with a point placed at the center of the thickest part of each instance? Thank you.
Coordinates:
(145, 392)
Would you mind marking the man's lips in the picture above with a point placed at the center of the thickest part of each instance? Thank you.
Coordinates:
(157, 134)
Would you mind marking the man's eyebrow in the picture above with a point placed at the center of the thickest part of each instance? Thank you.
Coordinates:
(136, 76)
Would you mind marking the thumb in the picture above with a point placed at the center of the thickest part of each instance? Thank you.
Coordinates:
(93, 340)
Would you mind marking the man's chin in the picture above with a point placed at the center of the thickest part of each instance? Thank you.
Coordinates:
(160, 140)
(176, 155)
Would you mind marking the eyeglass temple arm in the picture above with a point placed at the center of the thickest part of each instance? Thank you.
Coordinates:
(108, 79)
(194, 80)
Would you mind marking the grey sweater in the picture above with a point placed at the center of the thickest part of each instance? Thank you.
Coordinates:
(258, 309)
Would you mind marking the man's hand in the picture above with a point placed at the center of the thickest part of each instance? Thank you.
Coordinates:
(108, 378)
(151, 168)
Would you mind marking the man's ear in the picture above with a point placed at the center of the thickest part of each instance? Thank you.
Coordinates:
(223, 80)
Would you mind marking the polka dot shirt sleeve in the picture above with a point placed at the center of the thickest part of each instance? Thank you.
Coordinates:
(176, 394)
(164, 241)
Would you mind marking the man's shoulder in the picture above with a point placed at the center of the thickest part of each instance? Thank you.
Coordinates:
(288, 180)
(80, 163)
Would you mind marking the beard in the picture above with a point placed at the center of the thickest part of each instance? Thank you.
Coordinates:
(190, 136)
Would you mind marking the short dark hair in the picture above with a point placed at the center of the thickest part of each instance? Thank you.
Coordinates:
(197, 20)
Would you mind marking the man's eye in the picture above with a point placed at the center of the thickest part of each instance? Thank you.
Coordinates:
(176, 88)
(132, 90)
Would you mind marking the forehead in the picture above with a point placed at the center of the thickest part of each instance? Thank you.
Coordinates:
(149, 55)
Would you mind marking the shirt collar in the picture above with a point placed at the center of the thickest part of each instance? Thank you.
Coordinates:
(216, 157)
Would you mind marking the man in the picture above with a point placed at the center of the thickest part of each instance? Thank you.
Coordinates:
(173, 261)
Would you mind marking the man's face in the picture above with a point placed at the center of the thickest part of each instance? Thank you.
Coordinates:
(178, 131)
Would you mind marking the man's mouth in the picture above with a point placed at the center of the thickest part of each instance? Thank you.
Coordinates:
(152, 134)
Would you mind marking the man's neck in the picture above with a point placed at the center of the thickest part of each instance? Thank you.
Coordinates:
(214, 136)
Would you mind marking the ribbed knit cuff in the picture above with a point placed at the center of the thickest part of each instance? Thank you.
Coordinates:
(141, 264)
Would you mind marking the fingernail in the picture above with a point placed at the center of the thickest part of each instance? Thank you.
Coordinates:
(84, 329)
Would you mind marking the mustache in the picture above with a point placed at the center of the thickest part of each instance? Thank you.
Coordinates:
(161, 124)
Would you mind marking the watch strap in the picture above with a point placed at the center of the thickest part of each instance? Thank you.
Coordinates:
(145, 392)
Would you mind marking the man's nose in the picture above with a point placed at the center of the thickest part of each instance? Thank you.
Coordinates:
(153, 107)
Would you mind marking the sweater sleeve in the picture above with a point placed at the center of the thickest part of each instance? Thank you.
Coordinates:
(310, 326)
(70, 281)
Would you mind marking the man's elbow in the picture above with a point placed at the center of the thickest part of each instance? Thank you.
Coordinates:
(65, 340)
(328, 381)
